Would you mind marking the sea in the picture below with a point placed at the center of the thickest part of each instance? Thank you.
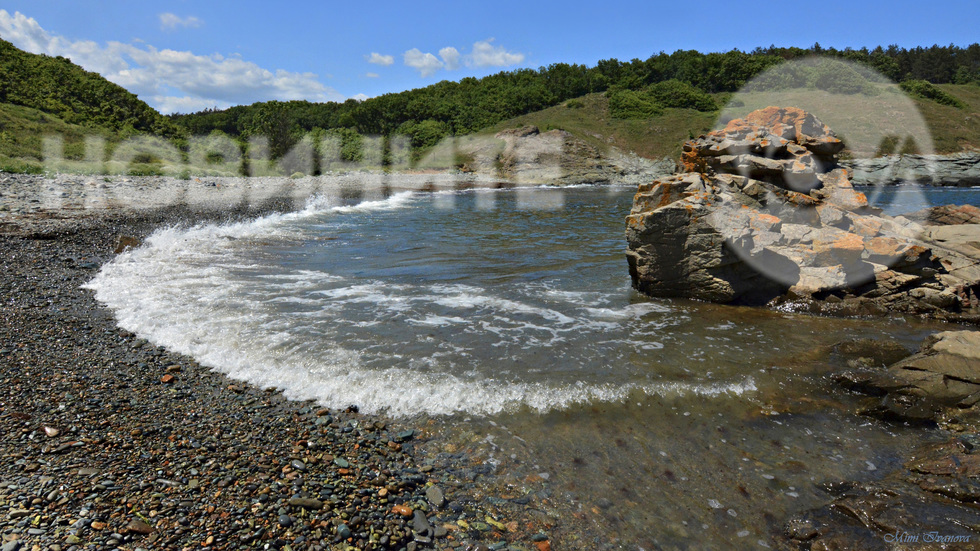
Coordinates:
(503, 321)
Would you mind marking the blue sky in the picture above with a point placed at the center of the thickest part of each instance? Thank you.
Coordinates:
(185, 56)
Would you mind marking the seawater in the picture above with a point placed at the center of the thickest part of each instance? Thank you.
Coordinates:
(505, 318)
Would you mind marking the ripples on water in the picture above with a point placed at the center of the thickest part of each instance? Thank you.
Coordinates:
(662, 423)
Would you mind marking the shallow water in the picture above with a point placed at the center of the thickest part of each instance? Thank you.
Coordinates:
(507, 315)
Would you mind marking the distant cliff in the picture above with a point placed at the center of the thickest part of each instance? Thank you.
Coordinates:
(962, 169)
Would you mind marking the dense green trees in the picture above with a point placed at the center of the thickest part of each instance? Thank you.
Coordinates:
(637, 88)
(55, 85)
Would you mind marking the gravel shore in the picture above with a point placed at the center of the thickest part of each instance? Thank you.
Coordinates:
(109, 442)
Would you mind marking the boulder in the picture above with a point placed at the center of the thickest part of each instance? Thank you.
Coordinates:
(764, 214)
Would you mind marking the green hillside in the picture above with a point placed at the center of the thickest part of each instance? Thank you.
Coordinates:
(953, 129)
(56, 86)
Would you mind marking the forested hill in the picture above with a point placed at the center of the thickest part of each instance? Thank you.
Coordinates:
(429, 113)
(56, 86)
(41, 94)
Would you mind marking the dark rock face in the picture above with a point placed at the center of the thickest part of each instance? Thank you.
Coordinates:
(962, 169)
(764, 213)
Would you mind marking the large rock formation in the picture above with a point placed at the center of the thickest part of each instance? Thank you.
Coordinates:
(764, 213)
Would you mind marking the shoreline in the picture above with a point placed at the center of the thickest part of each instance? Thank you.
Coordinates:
(110, 440)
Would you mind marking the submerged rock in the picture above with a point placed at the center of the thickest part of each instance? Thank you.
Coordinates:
(939, 383)
(930, 503)
(764, 214)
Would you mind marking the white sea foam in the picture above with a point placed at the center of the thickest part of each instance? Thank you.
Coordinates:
(398, 200)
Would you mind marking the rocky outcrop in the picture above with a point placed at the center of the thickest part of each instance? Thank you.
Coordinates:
(961, 169)
(764, 214)
(940, 383)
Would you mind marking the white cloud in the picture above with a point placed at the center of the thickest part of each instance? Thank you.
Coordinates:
(426, 63)
(450, 58)
(170, 22)
(378, 59)
(170, 80)
(174, 104)
(372, 75)
(360, 97)
(486, 55)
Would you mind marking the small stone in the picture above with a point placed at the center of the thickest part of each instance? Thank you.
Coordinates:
(168, 379)
(139, 527)
(124, 242)
(341, 462)
(173, 369)
(98, 525)
(343, 531)
(543, 545)
(11, 546)
(306, 503)
(298, 465)
(285, 521)
(406, 435)
(18, 513)
(73, 540)
(402, 510)
(51, 431)
(435, 497)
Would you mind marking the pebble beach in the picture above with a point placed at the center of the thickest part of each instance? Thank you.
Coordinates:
(109, 442)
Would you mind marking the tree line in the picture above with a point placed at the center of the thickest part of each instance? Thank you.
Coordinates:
(454, 108)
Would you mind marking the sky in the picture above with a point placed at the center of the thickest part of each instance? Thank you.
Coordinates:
(184, 56)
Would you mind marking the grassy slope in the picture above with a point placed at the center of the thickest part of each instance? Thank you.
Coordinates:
(952, 129)
(22, 130)
(653, 138)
